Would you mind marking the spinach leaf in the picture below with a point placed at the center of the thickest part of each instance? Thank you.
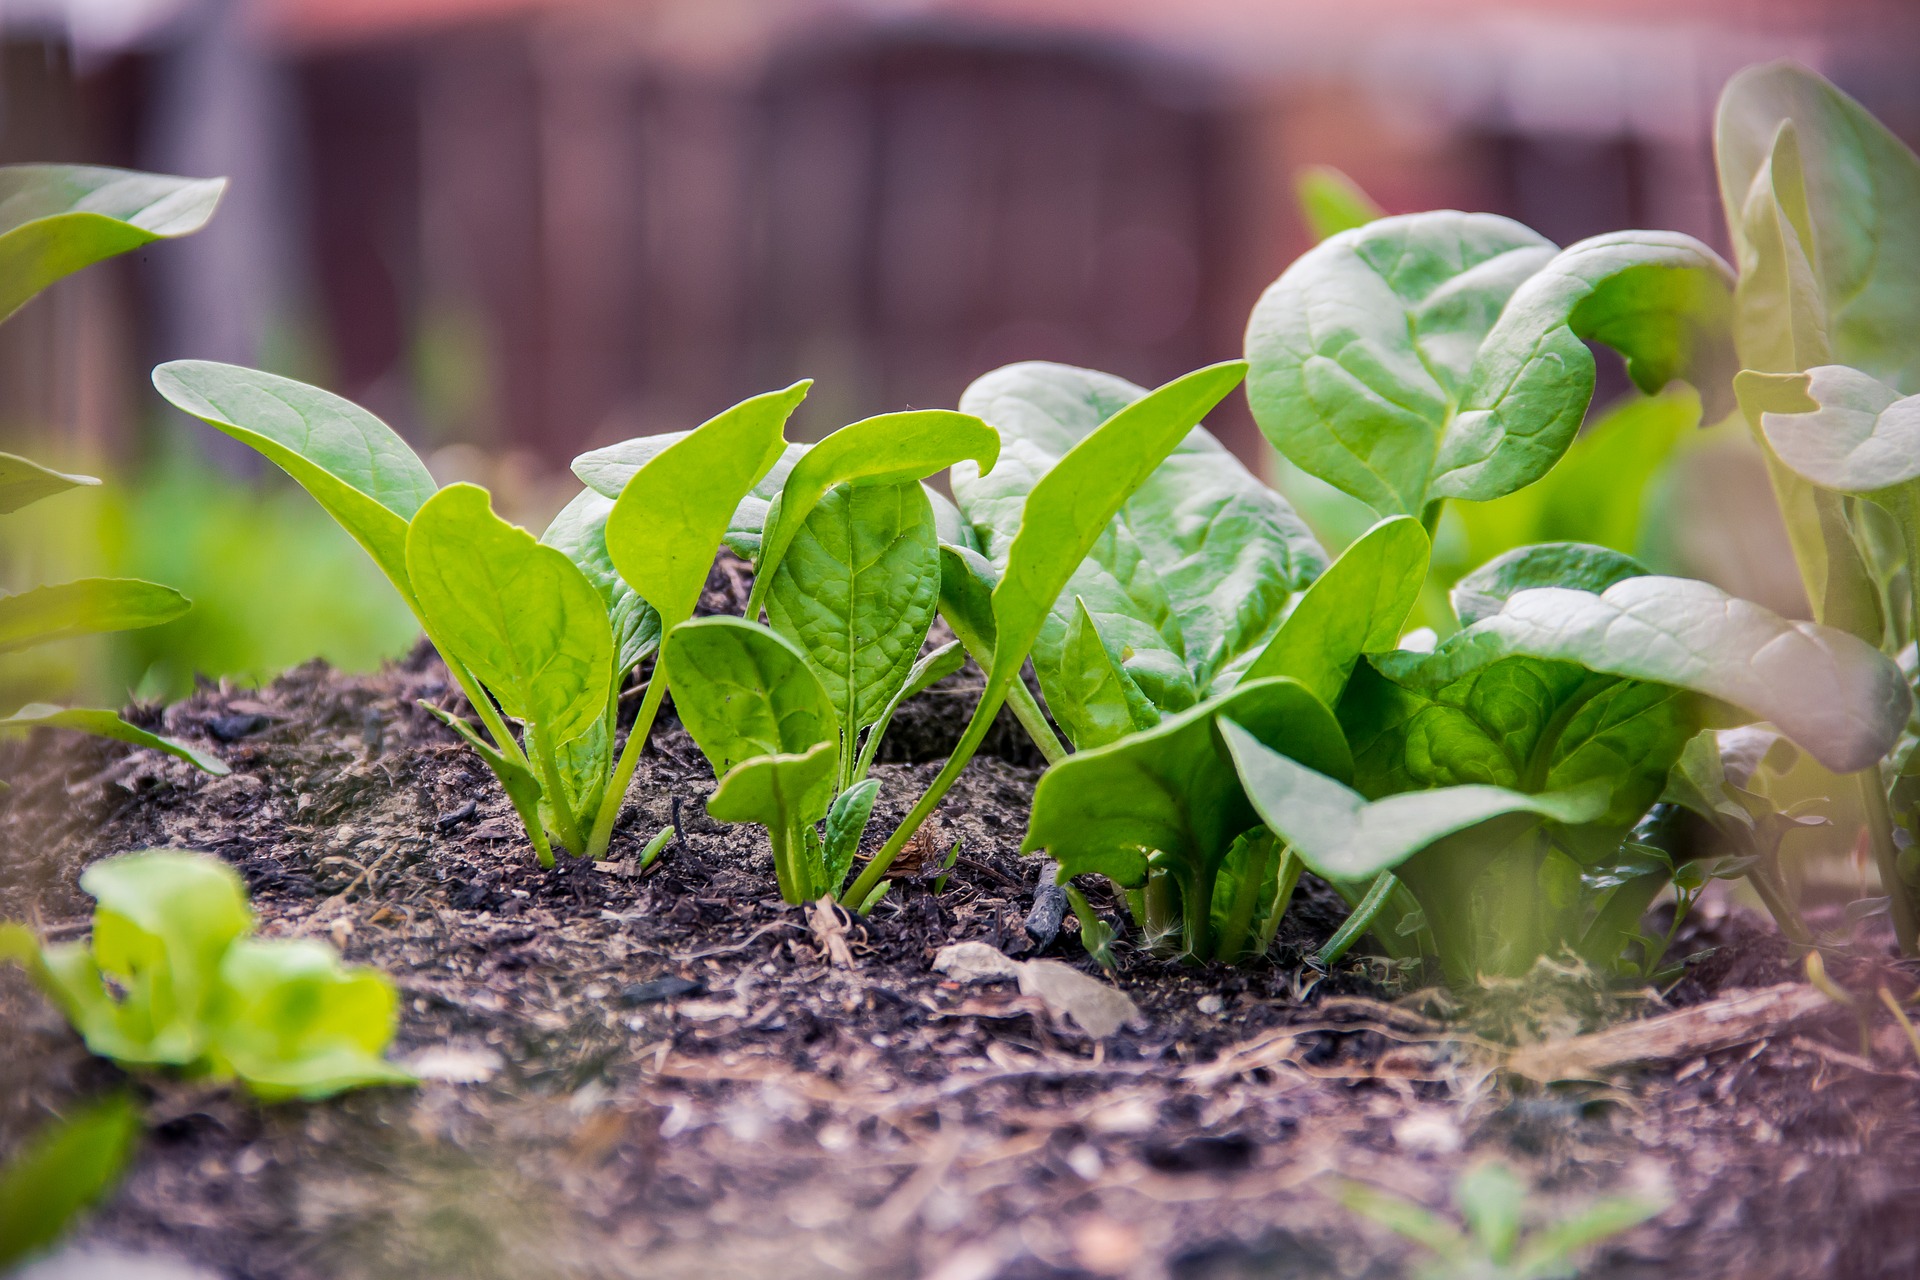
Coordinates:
(579, 532)
(606, 472)
(1094, 697)
(1861, 201)
(891, 450)
(108, 724)
(1443, 354)
(293, 1022)
(856, 592)
(1836, 697)
(846, 823)
(1342, 835)
(82, 607)
(1065, 513)
(24, 482)
(1166, 799)
(1357, 606)
(1191, 575)
(66, 1166)
(1331, 202)
(786, 794)
(57, 218)
(745, 691)
(1576, 565)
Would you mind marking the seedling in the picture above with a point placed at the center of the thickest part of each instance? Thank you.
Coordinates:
(54, 220)
(172, 978)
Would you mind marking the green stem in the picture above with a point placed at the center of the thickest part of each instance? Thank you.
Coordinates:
(970, 740)
(629, 761)
(1196, 898)
(1887, 858)
(1359, 922)
(1034, 721)
(1430, 516)
(785, 872)
(556, 788)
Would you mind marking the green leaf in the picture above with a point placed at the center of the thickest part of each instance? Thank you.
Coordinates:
(1342, 835)
(352, 463)
(1550, 564)
(293, 1022)
(1780, 320)
(1855, 434)
(67, 1166)
(1093, 697)
(56, 219)
(1553, 1250)
(1331, 202)
(743, 691)
(84, 607)
(786, 794)
(1442, 355)
(1862, 199)
(606, 471)
(516, 779)
(967, 580)
(580, 533)
(163, 922)
(1832, 694)
(1491, 1198)
(1170, 792)
(108, 724)
(1357, 606)
(1190, 574)
(890, 450)
(856, 591)
(668, 519)
(24, 481)
(521, 615)
(846, 823)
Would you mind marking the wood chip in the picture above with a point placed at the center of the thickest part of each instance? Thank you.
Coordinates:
(1735, 1018)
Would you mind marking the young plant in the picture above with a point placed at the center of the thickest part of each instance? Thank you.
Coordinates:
(544, 632)
(1496, 1244)
(1500, 776)
(1823, 204)
(68, 1166)
(172, 978)
(54, 220)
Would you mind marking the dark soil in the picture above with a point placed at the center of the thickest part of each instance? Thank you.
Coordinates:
(681, 1084)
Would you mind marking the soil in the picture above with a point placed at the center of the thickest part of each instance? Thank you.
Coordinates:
(679, 1081)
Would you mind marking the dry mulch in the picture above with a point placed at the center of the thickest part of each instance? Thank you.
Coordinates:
(681, 1082)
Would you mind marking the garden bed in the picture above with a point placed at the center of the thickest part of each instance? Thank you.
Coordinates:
(669, 1075)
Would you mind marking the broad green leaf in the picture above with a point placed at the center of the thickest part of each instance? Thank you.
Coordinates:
(744, 691)
(668, 520)
(1331, 202)
(856, 591)
(1861, 436)
(580, 533)
(68, 1165)
(352, 463)
(1170, 790)
(1661, 299)
(1249, 896)
(86, 606)
(606, 471)
(1364, 347)
(1443, 354)
(1862, 196)
(1357, 606)
(967, 580)
(56, 219)
(1191, 573)
(1093, 697)
(846, 823)
(108, 724)
(521, 615)
(293, 1022)
(891, 450)
(1548, 564)
(164, 919)
(1342, 835)
(786, 794)
(1780, 320)
(1835, 696)
(24, 481)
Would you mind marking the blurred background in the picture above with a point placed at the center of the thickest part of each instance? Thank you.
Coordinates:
(518, 229)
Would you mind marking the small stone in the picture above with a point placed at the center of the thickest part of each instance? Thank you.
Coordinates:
(1210, 1005)
(1049, 908)
(656, 990)
(974, 962)
(233, 727)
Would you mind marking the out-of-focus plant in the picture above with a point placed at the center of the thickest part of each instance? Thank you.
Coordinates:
(171, 977)
(54, 220)
(1494, 1239)
(68, 1166)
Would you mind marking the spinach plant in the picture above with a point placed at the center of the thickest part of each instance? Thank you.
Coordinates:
(173, 978)
(54, 220)
(1823, 204)
(541, 632)
(66, 1167)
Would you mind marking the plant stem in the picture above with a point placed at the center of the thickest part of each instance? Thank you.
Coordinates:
(1359, 922)
(1887, 858)
(1430, 516)
(629, 761)
(555, 787)
(1034, 721)
(1196, 898)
